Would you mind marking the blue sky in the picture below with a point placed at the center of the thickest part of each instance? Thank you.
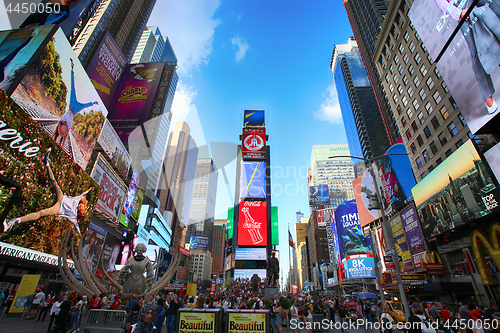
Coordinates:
(272, 55)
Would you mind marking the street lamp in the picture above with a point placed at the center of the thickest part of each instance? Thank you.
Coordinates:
(385, 227)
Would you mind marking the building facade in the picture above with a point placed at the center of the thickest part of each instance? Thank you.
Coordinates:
(218, 245)
(153, 47)
(200, 265)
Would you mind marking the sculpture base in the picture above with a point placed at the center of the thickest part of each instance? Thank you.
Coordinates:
(269, 292)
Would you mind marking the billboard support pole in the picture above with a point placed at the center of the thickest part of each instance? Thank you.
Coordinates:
(377, 273)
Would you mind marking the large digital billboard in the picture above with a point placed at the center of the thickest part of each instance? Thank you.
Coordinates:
(114, 148)
(251, 253)
(47, 196)
(326, 217)
(252, 223)
(253, 180)
(275, 236)
(366, 198)
(469, 64)
(136, 206)
(230, 222)
(129, 198)
(319, 195)
(110, 254)
(414, 236)
(253, 144)
(401, 245)
(198, 243)
(254, 118)
(92, 245)
(65, 103)
(106, 68)
(248, 273)
(355, 250)
(456, 192)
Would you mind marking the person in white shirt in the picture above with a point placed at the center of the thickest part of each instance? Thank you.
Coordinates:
(386, 321)
(294, 321)
(54, 311)
(35, 306)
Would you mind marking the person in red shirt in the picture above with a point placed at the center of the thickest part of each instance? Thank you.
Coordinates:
(446, 315)
(116, 303)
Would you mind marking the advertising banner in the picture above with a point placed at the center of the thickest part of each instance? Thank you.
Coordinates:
(336, 243)
(326, 217)
(401, 245)
(230, 222)
(456, 192)
(355, 248)
(65, 103)
(129, 199)
(182, 250)
(110, 254)
(248, 273)
(92, 244)
(17, 48)
(114, 148)
(30, 186)
(198, 243)
(382, 244)
(143, 234)
(213, 288)
(319, 195)
(113, 192)
(366, 199)
(275, 236)
(414, 236)
(106, 68)
(469, 64)
(295, 290)
(252, 223)
(247, 322)
(196, 322)
(250, 253)
(191, 289)
(254, 118)
(26, 288)
(136, 207)
(253, 180)
(253, 145)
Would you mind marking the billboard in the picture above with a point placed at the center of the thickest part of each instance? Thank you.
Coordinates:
(27, 186)
(253, 144)
(250, 253)
(230, 222)
(197, 322)
(401, 245)
(253, 180)
(114, 191)
(106, 68)
(17, 48)
(355, 249)
(469, 64)
(492, 156)
(136, 206)
(134, 100)
(414, 236)
(366, 198)
(114, 148)
(110, 253)
(248, 273)
(64, 103)
(254, 118)
(395, 177)
(319, 195)
(456, 192)
(326, 217)
(198, 243)
(275, 236)
(252, 223)
(92, 245)
(129, 198)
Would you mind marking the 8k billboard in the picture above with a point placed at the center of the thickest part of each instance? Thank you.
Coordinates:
(252, 223)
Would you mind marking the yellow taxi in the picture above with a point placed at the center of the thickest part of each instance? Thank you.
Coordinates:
(396, 311)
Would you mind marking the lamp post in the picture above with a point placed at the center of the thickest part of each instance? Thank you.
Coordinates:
(385, 228)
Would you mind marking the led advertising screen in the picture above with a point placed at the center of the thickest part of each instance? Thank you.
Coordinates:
(253, 145)
(253, 180)
(469, 64)
(64, 103)
(136, 207)
(198, 243)
(106, 68)
(414, 236)
(92, 245)
(336, 243)
(401, 245)
(326, 217)
(28, 185)
(319, 195)
(492, 156)
(230, 222)
(250, 253)
(254, 118)
(366, 198)
(395, 177)
(129, 198)
(355, 248)
(113, 191)
(275, 236)
(114, 148)
(16, 51)
(252, 223)
(248, 273)
(457, 191)
(110, 254)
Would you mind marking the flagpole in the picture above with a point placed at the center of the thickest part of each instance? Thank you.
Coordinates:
(290, 262)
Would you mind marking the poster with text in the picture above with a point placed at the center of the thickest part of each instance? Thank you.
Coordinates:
(252, 223)
(366, 198)
(414, 236)
(253, 144)
(319, 195)
(92, 245)
(401, 245)
(196, 322)
(114, 148)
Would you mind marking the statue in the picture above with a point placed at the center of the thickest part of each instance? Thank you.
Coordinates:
(255, 279)
(273, 268)
(134, 281)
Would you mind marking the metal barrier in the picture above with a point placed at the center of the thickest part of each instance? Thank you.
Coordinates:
(112, 320)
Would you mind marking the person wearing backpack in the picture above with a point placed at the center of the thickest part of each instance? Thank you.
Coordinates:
(418, 323)
(280, 316)
(342, 314)
(308, 314)
(386, 321)
(367, 309)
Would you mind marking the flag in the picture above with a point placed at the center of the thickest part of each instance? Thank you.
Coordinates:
(290, 239)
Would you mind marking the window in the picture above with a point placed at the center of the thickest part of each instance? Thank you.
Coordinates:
(391, 68)
(428, 107)
(418, 162)
(423, 175)
(406, 36)
(387, 78)
(395, 98)
(411, 47)
(391, 87)
(415, 104)
(416, 81)
(414, 126)
(442, 139)
(425, 155)
(423, 70)
(444, 112)
(404, 100)
(408, 134)
(403, 121)
(401, 48)
(462, 119)
(398, 108)
(448, 153)
(411, 70)
(396, 79)
(409, 113)
(400, 69)
(428, 55)
(433, 147)
(437, 97)
(427, 132)
(419, 140)
(436, 71)
(422, 94)
(406, 58)
(417, 36)
(413, 148)
(396, 58)
(445, 87)
(417, 58)
(439, 161)
(430, 83)
(421, 118)
(452, 129)
(435, 123)
(400, 90)
(405, 80)
(410, 91)
(459, 143)
(453, 103)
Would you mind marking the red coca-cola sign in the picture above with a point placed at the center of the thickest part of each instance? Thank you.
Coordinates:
(253, 145)
(252, 223)
(213, 287)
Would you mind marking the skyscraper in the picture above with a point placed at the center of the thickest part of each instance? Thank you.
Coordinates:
(363, 122)
(153, 47)
(218, 244)
(366, 18)
(202, 209)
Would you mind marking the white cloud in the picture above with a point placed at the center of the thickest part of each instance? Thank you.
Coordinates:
(240, 46)
(190, 26)
(329, 110)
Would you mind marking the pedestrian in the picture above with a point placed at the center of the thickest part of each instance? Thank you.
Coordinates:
(446, 315)
(64, 316)
(415, 319)
(367, 309)
(171, 313)
(386, 321)
(75, 317)
(464, 318)
(295, 319)
(54, 311)
(45, 307)
(144, 323)
(280, 313)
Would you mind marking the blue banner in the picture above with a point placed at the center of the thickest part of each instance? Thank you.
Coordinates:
(319, 195)
(198, 243)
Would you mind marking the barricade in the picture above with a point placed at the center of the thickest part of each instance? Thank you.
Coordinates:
(110, 320)
(190, 320)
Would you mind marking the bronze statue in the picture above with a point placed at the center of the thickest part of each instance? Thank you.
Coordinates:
(273, 269)
(255, 279)
(133, 272)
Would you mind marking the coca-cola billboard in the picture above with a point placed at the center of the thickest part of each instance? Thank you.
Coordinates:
(253, 145)
(252, 223)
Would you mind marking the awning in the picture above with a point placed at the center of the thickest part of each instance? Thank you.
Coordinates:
(448, 286)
